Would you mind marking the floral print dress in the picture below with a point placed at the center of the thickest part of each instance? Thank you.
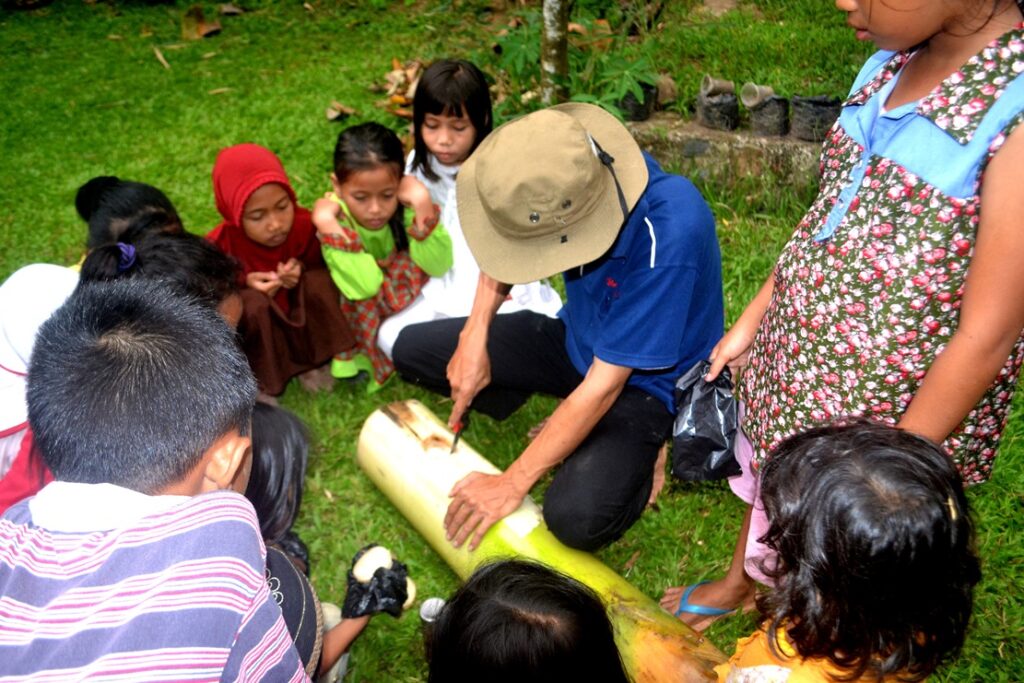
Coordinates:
(868, 289)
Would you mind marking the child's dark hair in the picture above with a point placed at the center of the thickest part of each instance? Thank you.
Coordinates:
(515, 621)
(111, 205)
(365, 147)
(876, 565)
(445, 88)
(188, 263)
(130, 383)
(280, 450)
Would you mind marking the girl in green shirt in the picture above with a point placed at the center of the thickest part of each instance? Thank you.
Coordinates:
(379, 252)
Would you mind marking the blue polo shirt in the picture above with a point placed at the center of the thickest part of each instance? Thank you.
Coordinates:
(653, 302)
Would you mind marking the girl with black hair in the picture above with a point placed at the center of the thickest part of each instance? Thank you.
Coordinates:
(379, 252)
(874, 565)
(111, 205)
(187, 262)
(451, 115)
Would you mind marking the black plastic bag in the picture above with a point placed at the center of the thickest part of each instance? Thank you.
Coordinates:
(386, 591)
(704, 433)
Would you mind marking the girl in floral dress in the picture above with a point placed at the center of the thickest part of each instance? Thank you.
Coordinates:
(900, 295)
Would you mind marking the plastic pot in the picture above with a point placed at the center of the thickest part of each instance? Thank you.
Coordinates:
(632, 110)
(813, 116)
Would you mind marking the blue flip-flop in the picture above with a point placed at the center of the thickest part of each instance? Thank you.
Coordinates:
(686, 606)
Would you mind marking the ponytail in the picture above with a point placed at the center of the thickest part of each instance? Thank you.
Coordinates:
(110, 261)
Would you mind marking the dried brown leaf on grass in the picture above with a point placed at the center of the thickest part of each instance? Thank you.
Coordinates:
(630, 562)
(194, 25)
(399, 87)
(230, 10)
(339, 112)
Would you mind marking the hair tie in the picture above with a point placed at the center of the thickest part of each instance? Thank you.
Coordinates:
(127, 258)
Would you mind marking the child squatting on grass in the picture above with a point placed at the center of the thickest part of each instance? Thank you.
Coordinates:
(451, 115)
(143, 522)
(515, 621)
(900, 295)
(290, 324)
(379, 253)
(873, 566)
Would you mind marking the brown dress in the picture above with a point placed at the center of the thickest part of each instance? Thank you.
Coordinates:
(281, 345)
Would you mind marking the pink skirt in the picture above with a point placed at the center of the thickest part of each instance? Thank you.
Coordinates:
(747, 487)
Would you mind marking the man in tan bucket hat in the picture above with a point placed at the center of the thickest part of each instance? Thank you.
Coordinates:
(567, 189)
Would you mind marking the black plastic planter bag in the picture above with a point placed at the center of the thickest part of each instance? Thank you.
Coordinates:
(704, 432)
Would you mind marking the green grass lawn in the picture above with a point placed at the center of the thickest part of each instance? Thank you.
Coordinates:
(84, 94)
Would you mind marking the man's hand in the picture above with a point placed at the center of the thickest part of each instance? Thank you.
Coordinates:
(266, 282)
(479, 501)
(289, 273)
(469, 371)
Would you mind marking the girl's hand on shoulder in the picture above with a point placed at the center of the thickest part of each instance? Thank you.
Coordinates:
(325, 215)
(266, 282)
(424, 223)
(415, 195)
(289, 273)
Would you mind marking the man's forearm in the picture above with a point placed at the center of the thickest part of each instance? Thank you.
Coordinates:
(570, 424)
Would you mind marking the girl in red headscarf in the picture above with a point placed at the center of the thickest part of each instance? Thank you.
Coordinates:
(291, 322)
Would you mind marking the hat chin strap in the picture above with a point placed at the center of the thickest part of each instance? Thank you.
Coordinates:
(608, 160)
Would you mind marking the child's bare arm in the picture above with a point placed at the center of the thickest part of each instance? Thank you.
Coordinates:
(338, 640)
(992, 309)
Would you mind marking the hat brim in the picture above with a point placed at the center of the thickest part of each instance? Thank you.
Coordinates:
(516, 261)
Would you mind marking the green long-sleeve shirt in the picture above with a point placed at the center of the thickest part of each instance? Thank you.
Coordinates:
(357, 273)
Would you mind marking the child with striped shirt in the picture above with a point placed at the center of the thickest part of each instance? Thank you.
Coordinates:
(141, 561)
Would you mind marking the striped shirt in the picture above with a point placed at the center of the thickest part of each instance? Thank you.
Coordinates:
(99, 582)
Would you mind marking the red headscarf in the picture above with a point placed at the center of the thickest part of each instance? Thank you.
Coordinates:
(238, 172)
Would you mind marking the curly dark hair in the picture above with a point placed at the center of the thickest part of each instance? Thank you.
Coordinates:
(876, 565)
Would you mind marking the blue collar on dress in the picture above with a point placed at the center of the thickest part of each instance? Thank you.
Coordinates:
(998, 64)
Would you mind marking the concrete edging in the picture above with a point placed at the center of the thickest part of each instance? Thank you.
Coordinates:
(700, 152)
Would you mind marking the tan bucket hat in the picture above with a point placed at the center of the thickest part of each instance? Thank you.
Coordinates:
(541, 194)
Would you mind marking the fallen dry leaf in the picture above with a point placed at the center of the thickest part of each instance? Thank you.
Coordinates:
(230, 10)
(146, 32)
(209, 55)
(328, 494)
(194, 25)
(338, 111)
(630, 562)
(218, 91)
(114, 36)
(160, 57)
(308, 7)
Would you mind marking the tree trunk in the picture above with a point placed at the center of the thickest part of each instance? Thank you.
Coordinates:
(554, 55)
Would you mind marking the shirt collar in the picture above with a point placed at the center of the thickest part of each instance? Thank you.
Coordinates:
(69, 507)
(956, 105)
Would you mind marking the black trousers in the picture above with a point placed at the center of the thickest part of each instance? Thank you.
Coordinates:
(601, 489)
